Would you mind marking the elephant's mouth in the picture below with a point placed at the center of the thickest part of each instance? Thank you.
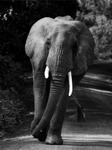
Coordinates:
(46, 73)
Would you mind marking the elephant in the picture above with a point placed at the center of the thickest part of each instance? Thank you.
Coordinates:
(60, 51)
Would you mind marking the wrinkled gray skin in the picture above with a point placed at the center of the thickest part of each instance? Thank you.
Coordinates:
(63, 45)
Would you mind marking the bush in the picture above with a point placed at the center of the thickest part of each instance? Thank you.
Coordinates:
(13, 64)
(9, 73)
(103, 38)
(13, 30)
(11, 110)
(91, 9)
(98, 16)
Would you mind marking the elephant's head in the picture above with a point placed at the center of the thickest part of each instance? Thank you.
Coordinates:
(60, 54)
(63, 48)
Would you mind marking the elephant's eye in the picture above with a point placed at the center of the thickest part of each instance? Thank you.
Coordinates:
(47, 45)
(74, 45)
(74, 49)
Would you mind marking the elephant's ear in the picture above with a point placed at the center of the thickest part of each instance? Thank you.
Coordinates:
(85, 53)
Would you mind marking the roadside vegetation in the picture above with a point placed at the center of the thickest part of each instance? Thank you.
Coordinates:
(15, 23)
(98, 16)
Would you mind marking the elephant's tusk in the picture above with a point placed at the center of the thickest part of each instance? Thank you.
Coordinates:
(70, 83)
(46, 73)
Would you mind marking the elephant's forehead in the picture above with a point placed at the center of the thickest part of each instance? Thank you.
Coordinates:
(63, 33)
(59, 26)
(71, 27)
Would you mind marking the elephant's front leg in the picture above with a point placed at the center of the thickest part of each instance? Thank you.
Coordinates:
(54, 132)
(41, 90)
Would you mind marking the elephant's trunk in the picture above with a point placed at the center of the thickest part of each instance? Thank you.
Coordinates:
(46, 73)
(57, 84)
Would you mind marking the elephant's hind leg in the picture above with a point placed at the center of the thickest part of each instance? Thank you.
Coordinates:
(80, 112)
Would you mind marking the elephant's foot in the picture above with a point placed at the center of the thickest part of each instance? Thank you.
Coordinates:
(54, 140)
(54, 137)
(42, 135)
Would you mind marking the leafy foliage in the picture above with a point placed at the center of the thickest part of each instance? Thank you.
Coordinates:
(103, 37)
(9, 73)
(11, 110)
(97, 7)
(98, 15)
